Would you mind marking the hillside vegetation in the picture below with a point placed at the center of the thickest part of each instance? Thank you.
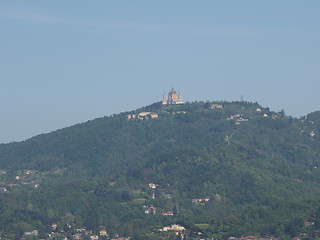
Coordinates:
(222, 168)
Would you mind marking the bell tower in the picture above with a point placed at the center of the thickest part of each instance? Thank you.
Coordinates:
(179, 99)
(164, 101)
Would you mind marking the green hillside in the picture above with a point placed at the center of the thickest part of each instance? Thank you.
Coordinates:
(222, 168)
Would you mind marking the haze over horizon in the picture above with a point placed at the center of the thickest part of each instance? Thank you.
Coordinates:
(64, 63)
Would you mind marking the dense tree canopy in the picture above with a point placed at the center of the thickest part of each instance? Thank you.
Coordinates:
(260, 170)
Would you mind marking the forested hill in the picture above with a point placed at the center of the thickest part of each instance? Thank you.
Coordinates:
(242, 155)
(192, 126)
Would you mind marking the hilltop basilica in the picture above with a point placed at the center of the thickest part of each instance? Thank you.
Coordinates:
(173, 98)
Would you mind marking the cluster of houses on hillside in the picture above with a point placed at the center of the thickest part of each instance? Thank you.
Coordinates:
(153, 185)
(238, 118)
(174, 227)
(216, 106)
(28, 177)
(178, 112)
(248, 238)
(311, 134)
(149, 115)
(300, 237)
(305, 119)
(150, 209)
(200, 200)
(142, 115)
(84, 234)
(31, 233)
(21, 177)
(167, 214)
(79, 234)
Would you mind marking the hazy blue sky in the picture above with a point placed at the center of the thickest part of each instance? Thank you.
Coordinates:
(66, 62)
